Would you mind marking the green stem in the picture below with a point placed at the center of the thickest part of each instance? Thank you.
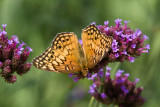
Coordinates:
(91, 102)
(100, 105)
(116, 66)
(115, 105)
(96, 104)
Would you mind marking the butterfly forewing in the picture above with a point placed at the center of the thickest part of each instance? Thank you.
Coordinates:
(95, 45)
(63, 56)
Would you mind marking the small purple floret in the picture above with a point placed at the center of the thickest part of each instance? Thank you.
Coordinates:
(93, 76)
(127, 74)
(131, 59)
(75, 79)
(133, 45)
(145, 37)
(148, 46)
(107, 74)
(89, 75)
(91, 90)
(108, 68)
(106, 29)
(106, 23)
(4, 32)
(124, 89)
(120, 71)
(118, 74)
(4, 25)
(116, 55)
(119, 80)
(29, 49)
(139, 32)
(101, 73)
(117, 21)
(80, 41)
(94, 23)
(103, 95)
(10, 42)
(126, 22)
(137, 80)
(70, 75)
(94, 85)
(15, 39)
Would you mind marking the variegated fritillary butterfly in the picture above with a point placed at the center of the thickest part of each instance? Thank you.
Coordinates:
(66, 55)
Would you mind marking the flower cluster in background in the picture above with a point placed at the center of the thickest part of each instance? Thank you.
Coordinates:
(127, 45)
(13, 57)
(119, 91)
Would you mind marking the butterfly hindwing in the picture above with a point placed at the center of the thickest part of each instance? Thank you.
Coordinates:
(95, 45)
(63, 56)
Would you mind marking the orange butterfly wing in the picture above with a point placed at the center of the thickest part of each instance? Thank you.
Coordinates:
(95, 45)
(63, 56)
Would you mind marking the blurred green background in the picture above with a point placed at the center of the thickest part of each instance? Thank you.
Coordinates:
(36, 22)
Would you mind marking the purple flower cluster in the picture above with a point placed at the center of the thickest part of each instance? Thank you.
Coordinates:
(119, 91)
(127, 45)
(12, 57)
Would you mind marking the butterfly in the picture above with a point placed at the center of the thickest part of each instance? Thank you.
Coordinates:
(67, 55)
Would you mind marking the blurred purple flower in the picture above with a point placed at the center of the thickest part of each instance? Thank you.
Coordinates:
(12, 57)
(119, 90)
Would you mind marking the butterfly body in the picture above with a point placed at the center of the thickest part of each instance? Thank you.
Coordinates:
(67, 55)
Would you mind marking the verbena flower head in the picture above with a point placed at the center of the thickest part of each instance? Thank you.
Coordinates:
(119, 91)
(127, 44)
(13, 57)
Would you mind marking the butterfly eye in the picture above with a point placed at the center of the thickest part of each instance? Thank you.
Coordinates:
(88, 34)
(52, 52)
(67, 39)
(49, 60)
(63, 41)
(91, 33)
